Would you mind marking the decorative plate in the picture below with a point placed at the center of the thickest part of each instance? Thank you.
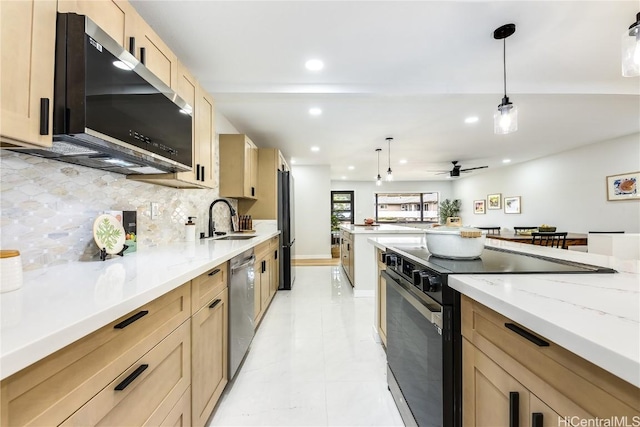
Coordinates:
(109, 233)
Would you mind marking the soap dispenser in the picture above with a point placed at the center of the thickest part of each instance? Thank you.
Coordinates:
(190, 230)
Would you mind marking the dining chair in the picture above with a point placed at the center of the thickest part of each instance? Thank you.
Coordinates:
(518, 230)
(490, 230)
(554, 240)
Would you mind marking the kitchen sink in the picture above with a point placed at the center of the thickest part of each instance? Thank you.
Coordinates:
(234, 238)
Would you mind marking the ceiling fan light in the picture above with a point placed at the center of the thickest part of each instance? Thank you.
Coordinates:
(631, 50)
(505, 119)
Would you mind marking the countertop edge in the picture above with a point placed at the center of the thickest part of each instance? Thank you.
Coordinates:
(19, 358)
(604, 357)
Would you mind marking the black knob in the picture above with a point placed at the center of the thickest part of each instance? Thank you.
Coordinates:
(391, 260)
(417, 280)
(432, 283)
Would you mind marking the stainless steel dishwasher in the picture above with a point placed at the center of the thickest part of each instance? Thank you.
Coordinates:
(241, 288)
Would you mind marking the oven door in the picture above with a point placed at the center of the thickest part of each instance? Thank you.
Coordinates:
(414, 352)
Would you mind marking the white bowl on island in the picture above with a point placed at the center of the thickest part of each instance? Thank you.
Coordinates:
(455, 242)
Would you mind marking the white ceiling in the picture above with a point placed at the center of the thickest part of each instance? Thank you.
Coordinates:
(409, 70)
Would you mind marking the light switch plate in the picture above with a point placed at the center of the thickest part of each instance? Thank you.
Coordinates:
(155, 210)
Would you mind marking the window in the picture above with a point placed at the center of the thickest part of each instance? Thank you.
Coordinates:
(342, 206)
(407, 207)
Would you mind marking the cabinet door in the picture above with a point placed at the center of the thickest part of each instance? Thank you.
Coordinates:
(254, 172)
(265, 283)
(487, 392)
(250, 168)
(111, 16)
(209, 357)
(205, 138)
(257, 292)
(27, 37)
(275, 271)
(155, 54)
(541, 414)
(382, 308)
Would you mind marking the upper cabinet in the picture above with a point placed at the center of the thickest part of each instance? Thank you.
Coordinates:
(238, 167)
(27, 35)
(203, 114)
(117, 18)
(149, 49)
(270, 161)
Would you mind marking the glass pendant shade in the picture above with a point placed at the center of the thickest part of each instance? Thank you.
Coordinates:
(631, 50)
(389, 175)
(379, 180)
(505, 119)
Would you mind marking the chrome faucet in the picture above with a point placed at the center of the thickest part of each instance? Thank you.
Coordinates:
(232, 212)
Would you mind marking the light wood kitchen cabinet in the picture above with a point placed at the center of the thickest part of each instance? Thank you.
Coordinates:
(347, 254)
(180, 414)
(501, 357)
(115, 17)
(49, 391)
(149, 49)
(382, 299)
(238, 166)
(209, 356)
(266, 205)
(266, 276)
(203, 174)
(27, 46)
(144, 394)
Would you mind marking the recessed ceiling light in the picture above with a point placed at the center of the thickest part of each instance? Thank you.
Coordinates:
(344, 177)
(316, 149)
(315, 111)
(403, 161)
(314, 65)
(293, 162)
(506, 160)
(472, 119)
(351, 168)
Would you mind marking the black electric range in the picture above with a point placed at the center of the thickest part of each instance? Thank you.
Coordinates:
(424, 341)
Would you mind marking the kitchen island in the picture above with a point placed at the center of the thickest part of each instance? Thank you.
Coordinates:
(568, 344)
(358, 257)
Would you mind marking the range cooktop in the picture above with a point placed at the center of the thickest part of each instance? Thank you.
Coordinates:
(499, 261)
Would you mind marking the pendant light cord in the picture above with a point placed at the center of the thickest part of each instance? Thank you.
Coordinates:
(504, 63)
(389, 145)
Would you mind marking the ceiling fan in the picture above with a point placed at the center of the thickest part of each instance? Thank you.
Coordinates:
(457, 169)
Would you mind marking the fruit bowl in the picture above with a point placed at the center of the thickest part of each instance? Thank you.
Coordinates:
(546, 229)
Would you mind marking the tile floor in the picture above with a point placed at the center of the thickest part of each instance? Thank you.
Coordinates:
(313, 361)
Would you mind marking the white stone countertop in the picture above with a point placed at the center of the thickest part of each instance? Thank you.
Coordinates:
(380, 229)
(596, 316)
(59, 305)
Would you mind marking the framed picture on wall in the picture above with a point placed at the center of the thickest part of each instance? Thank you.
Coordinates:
(478, 207)
(623, 186)
(512, 205)
(494, 201)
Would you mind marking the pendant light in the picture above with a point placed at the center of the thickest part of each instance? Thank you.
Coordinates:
(505, 119)
(379, 178)
(631, 50)
(389, 173)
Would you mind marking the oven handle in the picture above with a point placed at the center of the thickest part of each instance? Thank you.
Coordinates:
(435, 317)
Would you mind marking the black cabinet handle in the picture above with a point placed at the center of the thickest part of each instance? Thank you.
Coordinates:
(135, 374)
(132, 45)
(514, 409)
(275, 254)
(253, 191)
(213, 304)
(197, 172)
(526, 334)
(143, 55)
(264, 266)
(131, 319)
(214, 272)
(537, 419)
(202, 174)
(348, 247)
(44, 116)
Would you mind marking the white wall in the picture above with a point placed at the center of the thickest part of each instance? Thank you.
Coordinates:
(364, 192)
(312, 194)
(566, 190)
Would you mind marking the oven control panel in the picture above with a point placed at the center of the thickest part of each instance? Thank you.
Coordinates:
(427, 281)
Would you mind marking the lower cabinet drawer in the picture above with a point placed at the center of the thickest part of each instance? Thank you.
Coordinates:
(145, 393)
(49, 391)
(208, 285)
(180, 415)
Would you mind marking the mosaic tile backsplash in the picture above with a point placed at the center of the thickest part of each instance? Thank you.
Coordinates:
(48, 208)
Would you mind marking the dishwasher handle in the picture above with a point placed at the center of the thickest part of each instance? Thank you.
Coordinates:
(245, 263)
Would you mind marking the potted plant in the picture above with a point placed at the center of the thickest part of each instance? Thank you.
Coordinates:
(335, 236)
(335, 223)
(448, 209)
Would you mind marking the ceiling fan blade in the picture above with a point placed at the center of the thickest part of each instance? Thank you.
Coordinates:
(470, 169)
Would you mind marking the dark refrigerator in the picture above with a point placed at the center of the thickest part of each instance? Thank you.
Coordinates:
(286, 225)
